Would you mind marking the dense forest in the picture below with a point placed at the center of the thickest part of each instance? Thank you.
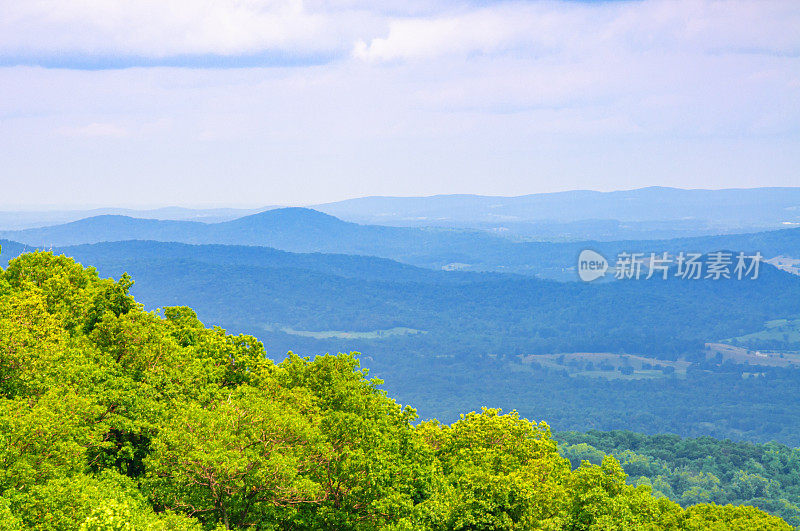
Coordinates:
(698, 470)
(112, 417)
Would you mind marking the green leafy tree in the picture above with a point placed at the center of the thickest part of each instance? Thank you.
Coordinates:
(240, 462)
(501, 472)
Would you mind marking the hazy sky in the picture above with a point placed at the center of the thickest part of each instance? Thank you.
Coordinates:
(249, 102)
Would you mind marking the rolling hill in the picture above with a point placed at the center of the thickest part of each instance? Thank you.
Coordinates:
(304, 230)
(26, 219)
(260, 289)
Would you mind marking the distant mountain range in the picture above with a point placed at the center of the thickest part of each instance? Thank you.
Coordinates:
(644, 213)
(307, 231)
(26, 219)
(291, 229)
(712, 209)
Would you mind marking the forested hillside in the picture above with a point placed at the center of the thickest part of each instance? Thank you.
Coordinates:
(112, 417)
(262, 290)
(704, 469)
(638, 361)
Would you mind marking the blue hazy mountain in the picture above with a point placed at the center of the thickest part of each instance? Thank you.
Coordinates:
(282, 225)
(644, 213)
(720, 209)
(25, 219)
(292, 229)
(305, 230)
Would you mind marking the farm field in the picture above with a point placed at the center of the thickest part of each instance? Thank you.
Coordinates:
(609, 365)
(342, 334)
(735, 354)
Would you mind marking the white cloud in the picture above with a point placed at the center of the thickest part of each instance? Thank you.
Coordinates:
(550, 28)
(393, 31)
(161, 28)
(484, 31)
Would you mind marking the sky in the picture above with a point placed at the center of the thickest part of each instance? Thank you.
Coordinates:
(148, 103)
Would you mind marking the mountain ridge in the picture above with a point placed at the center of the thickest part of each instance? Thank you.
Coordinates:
(304, 230)
(696, 211)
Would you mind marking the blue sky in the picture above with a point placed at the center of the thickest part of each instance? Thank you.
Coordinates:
(249, 102)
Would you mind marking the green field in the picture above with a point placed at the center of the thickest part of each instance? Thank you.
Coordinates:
(725, 352)
(608, 365)
(784, 331)
(342, 334)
